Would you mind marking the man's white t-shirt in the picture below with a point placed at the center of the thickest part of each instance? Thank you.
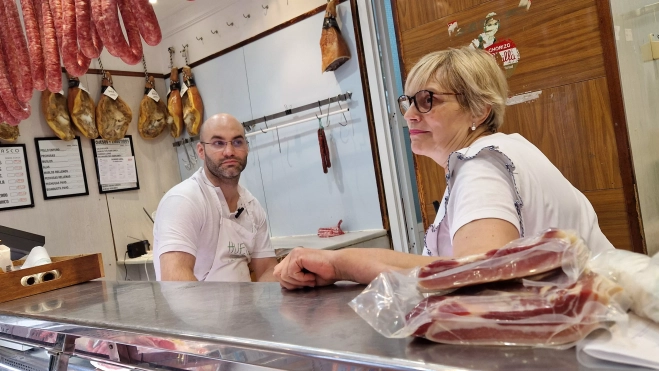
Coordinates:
(188, 221)
(507, 177)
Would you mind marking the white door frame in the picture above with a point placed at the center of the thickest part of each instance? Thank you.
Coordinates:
(395, 171)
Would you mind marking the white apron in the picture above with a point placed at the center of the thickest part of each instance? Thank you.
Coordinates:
(233, 244)
(232, 253)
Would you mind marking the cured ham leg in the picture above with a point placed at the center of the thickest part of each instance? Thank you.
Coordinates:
(53, 106)
(193, 106)
(153, 115)
(8, 133)
(82, 109)
(174, 105)
(333, 47)
(112, 115)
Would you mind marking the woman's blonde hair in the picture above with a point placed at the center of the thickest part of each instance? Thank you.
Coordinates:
(474, 73)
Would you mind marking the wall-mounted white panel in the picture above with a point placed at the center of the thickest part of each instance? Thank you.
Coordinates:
(285, 69)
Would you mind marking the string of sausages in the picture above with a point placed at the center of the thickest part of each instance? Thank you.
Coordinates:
(75, 31)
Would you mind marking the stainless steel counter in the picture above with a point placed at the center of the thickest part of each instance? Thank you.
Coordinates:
(238, 325)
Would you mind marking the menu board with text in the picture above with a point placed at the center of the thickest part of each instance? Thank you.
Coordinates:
(61, 167)
(15, 186)
(115, 165)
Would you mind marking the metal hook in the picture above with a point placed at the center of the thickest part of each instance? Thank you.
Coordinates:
(266, 9)
(338, 100)
(200, 39)
(214, 32)
(329, 102)
(194, 153)
(230, 24)
(188, 165)
(246, 16)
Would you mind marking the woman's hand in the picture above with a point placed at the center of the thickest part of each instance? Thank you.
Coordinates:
(307, 268)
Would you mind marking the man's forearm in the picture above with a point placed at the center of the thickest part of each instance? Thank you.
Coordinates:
(364, 264)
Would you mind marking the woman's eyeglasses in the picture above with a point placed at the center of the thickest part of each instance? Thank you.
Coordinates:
(422, 100)
(220, 145)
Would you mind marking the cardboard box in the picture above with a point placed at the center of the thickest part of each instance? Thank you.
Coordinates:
(62, 272)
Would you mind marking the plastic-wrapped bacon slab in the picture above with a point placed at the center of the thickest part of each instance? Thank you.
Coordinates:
(521, 258)
(512, 314)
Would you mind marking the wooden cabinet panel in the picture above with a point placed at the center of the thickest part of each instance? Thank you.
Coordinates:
(414, 13)
(431, 182)
(572, 126)
(610, 208)
(558, 41)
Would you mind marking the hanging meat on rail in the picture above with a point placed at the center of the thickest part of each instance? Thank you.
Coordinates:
(324, 150)
(33, 30)
(174, 105)
(82, 109)
(193, 107)
(56, 114)
(333, 47)
(112, 114)
(8, 133)
(153, 113)
(15, 75)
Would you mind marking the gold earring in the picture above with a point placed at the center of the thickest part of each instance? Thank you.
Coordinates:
(473, 126)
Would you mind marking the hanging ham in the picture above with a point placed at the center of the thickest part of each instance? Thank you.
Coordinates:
(333, 47)
(112, 114)
(193, 107)
(174, 105)
(53, 106)
(8, 133)
(82, 109)
(153, 113)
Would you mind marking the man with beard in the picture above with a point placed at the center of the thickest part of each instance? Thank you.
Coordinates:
(208, 227)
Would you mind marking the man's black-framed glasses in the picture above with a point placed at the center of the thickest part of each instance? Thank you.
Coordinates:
(220, 145)
(422, 100)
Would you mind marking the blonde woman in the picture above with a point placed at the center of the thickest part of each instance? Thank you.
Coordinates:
(499, 187)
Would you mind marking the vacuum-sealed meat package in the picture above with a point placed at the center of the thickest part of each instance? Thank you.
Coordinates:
(520, 300)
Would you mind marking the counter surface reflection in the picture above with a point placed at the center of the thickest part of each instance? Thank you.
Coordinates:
(250, 324)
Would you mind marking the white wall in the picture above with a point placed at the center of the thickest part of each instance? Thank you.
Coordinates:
(81, 225)
(281, 69)
(640, 87)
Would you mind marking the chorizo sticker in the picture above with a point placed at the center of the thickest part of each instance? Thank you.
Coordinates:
(508, 53)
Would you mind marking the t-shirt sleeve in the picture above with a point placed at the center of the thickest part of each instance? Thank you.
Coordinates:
(262, 245)
(177, 226)
(482, 189)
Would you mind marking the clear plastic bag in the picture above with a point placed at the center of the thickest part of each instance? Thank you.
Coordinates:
(551, 310)
(638, 274)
